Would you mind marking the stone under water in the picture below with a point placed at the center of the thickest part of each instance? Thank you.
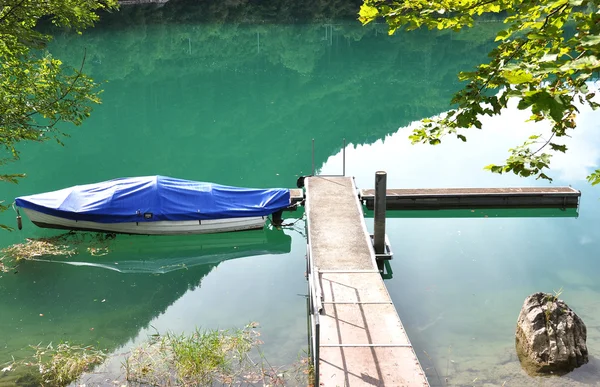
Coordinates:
(550, 337)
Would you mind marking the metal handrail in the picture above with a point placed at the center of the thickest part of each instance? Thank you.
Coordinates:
(315, 308)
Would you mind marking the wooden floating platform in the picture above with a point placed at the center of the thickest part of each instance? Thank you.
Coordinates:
(472, 198)
(357, 336)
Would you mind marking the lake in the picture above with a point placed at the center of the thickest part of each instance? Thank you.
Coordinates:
(239, 104)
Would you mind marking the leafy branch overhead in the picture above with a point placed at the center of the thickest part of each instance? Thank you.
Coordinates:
(37, 92)
(546, 58)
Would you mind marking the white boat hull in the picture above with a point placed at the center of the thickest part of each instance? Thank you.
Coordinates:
(163, 227)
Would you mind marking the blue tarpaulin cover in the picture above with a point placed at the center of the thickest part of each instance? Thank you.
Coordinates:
(154, 198)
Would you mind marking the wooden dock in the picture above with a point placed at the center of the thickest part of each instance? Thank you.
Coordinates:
(357, 336)
(470, 198)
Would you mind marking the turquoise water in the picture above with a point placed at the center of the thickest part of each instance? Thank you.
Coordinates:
(459, 283)
(239, 104)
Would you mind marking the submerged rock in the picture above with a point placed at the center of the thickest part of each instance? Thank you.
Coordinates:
(550, 337)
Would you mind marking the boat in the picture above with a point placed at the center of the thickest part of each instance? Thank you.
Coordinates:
(154, 205)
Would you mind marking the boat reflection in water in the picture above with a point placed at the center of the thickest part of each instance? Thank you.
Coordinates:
(163, 254)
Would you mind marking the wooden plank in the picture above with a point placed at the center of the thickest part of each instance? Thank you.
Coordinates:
(383, 366)
(361, 339)
(352, 287)
(296, 199)
(474, 198)
(296, 195)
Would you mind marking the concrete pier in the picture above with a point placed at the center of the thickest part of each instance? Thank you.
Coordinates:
(358, 338)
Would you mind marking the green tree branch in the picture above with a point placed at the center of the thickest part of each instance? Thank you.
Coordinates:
(38, 93)
(540, 61)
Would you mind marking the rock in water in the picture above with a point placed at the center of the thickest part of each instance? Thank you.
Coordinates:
(550, 337)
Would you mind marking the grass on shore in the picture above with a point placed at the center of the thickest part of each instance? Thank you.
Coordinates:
(209, 357)
(203, 358)
(55, 366)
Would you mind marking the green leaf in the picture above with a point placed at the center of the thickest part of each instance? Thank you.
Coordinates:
(517, 77)
(465, 76)
(548, 58)
(587, 62)
(502, 35)
(367, 13)
(594, 177)
(557, 147)
(544, 177)
(524, 103)
(590, 40)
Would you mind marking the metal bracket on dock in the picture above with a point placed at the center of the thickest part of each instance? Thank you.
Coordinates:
(388, 254)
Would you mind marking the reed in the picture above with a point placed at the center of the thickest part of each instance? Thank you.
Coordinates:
(209, 357)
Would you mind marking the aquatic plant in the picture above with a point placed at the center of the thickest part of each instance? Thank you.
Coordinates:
(66, 244)
(66, 363)
(34, 248)
(206, 357)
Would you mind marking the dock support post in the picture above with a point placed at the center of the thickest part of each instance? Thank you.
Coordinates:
(380, 204)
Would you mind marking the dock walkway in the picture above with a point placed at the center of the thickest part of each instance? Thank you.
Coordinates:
(359, 338)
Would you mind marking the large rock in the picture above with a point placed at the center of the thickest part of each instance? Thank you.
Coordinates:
(550, 337)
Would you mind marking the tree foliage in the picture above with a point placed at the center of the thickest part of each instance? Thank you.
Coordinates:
(546, 58)
(37, 93)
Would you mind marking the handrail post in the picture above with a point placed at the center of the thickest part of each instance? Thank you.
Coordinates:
(313, 157)
(316, 365)
(344, 158)
(379, 215)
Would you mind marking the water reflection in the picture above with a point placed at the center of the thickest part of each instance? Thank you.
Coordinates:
(481, 213)
(223, 100)
(76, 298)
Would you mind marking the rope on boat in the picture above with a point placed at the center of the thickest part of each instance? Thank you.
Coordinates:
(288, 224)
(293, 223)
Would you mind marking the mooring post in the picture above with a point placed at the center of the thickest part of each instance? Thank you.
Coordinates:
(379, 216)
(277, 218)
